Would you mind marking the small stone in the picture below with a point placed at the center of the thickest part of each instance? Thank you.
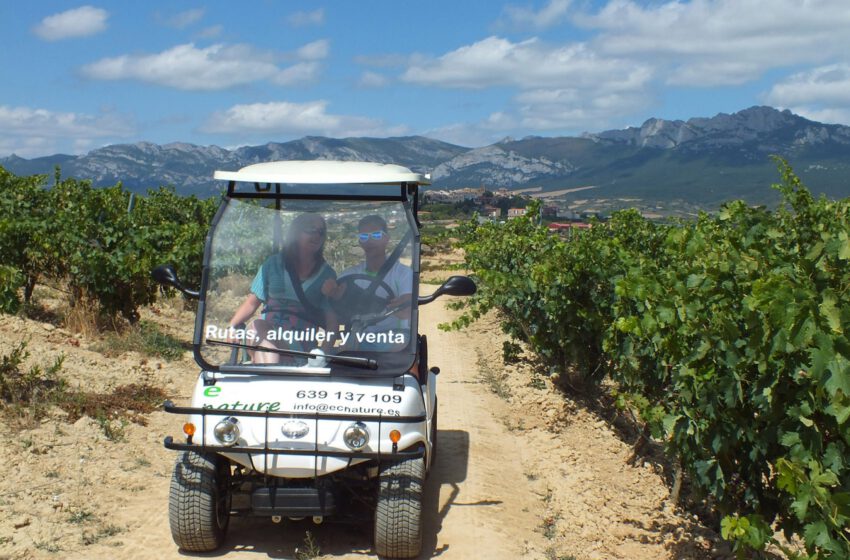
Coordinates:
(21, 522)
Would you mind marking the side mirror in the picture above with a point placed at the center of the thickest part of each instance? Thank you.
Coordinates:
(454, 286)
(166, 275)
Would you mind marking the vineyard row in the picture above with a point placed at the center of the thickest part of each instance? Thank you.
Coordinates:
(727, 335)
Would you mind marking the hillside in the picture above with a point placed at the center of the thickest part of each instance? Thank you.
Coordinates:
(700, 162)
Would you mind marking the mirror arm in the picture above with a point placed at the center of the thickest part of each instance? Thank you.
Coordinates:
(454, 286)
(422, 300)
(165, 275)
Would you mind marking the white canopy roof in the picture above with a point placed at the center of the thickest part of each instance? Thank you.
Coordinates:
(324, 172)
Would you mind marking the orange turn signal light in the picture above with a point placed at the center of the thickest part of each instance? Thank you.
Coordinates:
(395, 435)
(189, 429)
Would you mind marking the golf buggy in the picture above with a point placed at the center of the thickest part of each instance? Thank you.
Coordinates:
(315, 398)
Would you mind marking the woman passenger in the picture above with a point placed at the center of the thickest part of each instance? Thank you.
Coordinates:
(284, 308)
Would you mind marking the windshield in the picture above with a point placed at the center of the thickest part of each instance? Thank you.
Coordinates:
(329, 277)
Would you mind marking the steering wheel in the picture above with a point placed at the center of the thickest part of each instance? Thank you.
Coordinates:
(359, 301)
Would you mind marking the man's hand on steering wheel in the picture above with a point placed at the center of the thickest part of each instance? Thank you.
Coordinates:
(352, 300)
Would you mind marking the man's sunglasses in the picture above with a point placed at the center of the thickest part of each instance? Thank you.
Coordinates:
(364, 237)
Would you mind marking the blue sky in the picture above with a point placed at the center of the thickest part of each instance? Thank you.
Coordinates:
(76, 76)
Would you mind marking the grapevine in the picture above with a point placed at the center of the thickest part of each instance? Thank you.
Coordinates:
(727, 334)
(100, 244)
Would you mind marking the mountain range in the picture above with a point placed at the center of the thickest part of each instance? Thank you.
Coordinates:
(701, 161)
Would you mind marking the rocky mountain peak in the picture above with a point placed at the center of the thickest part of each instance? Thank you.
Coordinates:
(755, 120)
(726, 129)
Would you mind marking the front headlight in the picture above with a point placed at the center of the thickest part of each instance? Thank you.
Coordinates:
(356, 436)
(227, 431)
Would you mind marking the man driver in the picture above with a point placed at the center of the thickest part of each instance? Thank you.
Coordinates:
(373, 237)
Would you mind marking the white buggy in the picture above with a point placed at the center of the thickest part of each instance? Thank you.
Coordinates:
(315, 398)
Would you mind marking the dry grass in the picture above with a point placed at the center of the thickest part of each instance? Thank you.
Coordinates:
(85, 317)
(145, 338)
(27, 395)
(129, 402)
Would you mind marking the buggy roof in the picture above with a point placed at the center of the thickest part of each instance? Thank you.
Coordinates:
(324, 172)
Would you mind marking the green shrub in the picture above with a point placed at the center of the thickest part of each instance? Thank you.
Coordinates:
(29, 392)
(11, 281)
(728, 335)
(100, 243)
(511, 352)
(145, 338)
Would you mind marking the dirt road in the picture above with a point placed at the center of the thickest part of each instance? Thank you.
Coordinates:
(521, 475)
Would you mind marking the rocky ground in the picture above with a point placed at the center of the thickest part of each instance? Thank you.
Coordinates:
(521, 471)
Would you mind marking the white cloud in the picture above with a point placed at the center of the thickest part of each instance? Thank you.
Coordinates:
(722, 42)
(372, 80)
(572, 110)
(495, 127)
(633, 48)
(32, 132)
(79, 22)
(187, 18)
(210, 32)
(529, 64)
(317, 50)
(462, 134)
(713, 72)
(298, 74)
(823, 85)
(216, 67)
(560, 88)
(294, 119)
(821, 94)
(828, 116)
(384, 60)
(552, 111)
(302, 19)
(551, 14)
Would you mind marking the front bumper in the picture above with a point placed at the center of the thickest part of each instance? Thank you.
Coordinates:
(316, 450)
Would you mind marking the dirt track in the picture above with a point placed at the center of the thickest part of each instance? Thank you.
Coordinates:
(528, 475)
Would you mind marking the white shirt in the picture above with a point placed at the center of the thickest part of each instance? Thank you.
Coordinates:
(399, 278)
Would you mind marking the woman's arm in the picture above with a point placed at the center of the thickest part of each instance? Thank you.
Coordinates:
(246, 310)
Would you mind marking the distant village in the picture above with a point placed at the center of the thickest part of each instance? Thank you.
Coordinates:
(503, 204)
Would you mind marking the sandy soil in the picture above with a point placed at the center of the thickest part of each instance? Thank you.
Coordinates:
(527, 474)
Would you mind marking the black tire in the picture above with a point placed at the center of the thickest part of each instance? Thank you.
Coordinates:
(199, 501)
(398, 514)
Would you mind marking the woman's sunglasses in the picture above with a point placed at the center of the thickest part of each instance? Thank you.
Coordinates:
(364, 237)
(315, 231)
